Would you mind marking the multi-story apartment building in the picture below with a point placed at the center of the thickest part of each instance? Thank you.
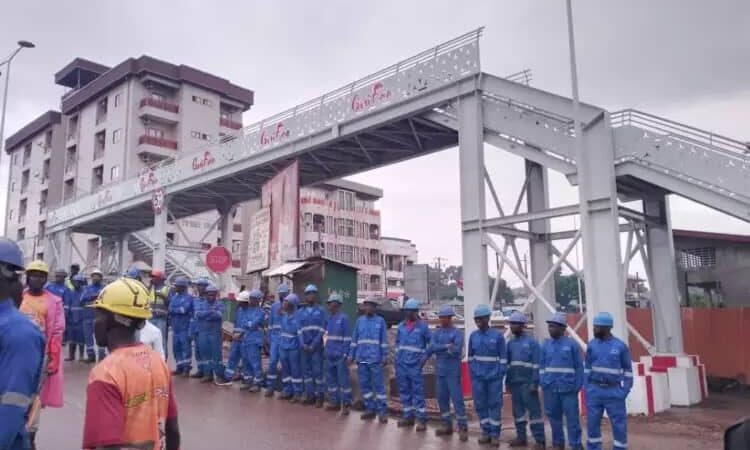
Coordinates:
(339, 221)
(397, 254)
(114, 124)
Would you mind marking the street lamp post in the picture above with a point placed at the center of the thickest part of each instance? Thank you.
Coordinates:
(21, 45)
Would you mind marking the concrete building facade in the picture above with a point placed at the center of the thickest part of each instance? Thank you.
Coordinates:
(117, 123)
(397, 254)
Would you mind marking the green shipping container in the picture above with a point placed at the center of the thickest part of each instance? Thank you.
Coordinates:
(330, 277)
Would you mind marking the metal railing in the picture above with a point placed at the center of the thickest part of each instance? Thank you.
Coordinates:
(681, 132)
(229, 123)
(160, 104)
(159, 142)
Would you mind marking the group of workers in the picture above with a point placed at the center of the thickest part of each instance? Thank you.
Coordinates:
(313, 347)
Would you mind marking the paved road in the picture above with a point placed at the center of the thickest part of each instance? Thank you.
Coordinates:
(219, 418)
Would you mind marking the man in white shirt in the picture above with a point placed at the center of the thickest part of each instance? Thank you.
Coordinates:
(150, 335)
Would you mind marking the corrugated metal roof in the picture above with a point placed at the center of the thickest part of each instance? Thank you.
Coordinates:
(694, 234)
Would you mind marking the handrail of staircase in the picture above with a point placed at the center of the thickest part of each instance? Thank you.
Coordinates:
(690, 135)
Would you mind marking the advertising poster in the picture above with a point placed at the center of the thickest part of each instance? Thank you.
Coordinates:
(258, 251)
(281, 195)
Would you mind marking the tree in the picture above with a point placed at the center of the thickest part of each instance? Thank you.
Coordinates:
(566, 289)
(504, 293)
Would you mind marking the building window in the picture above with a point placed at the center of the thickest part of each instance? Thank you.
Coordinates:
(349, 227)
(201, 100)
(116, 135)
(97, 177)
(45, 170)
(72, 128)
(170, 238)
(308, 221)
(114, 173)
(346, 200)
(100, 143)
(47, 141)
(155, 132)
(24, 181)
(27, 154)
(374, 231)
(340, 227)
(101, 110)
(41, 231)
(21, 234)
(307, 249)
(10, 214)
(157, 96)
(71, 159)
(319, 224)
(118, 100)
(201, 136)
(697, 258)
(43, 201)
(347, 254)
(15, 158)
(69, 190)
(22, 210)
(329, 225)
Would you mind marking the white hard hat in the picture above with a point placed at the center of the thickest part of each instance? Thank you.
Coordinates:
(97, 272)
(243, 296)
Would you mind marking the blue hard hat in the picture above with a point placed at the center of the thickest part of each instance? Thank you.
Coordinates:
(133, 272)
(79, 278)
(11, 254)
(292, 298)
(517, 317)
(311, 288)
(335, 298)
(255, 293)
(482, 311)
(211, 288)
(182, 282)
(446, 311)
(412, 304)
(603, 319)
(202, 281)
(283, 288)
(559, 319)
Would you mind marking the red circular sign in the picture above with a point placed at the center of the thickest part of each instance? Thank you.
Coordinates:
(157, 201)
(218, 259)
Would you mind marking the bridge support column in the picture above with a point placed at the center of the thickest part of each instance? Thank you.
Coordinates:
(537, 199)
(65, 257)
(667, 319)
(226, 222)
(473, 244)
(122, 251)
(604, 285)
(159, 237)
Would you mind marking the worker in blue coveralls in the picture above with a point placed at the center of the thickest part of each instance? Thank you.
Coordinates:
(274, 339)
(231, 371)
(88, 297)
(608, 379)
(312, 321)
(487, 365)
(59, 287)
(209, 316)
(338, 342)
(370, 350)
(181, 305)
(522, 380)
(289, 348)
(252, 342)
(412, 340)
(74, 326)
(561, 378)
(447, 344)
(200, 294)
(22, 349)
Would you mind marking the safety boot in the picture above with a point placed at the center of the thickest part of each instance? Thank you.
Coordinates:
(71, 352)
(540, 446)
(90, 360)
(558, 447)
(207, 379)
(345, 410)
(463, 434)
(295, 399)
(495, 442)
(245, 385)
(421, 425)
(405, 422)
(197, 375)
(518, 443)
(319, 402)
(368, 415)
(445, 430)
(484, 439)
(268, 393)
(383, 419)
(332, 407)
(254, 388)
(283, 396)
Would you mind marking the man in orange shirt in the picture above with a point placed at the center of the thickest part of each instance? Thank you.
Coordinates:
(129, 399)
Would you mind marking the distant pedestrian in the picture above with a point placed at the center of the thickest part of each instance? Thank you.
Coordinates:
(522, 381)
(609, 378)
(370, 351)
(448, 344)
(338, 343)
(487, 364)
(561, 379)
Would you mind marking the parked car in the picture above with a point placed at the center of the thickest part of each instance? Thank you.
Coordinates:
(388, 310)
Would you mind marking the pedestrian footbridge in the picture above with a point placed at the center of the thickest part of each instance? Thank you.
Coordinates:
(437, 100)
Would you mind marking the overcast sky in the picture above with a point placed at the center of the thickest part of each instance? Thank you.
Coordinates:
(687, 60)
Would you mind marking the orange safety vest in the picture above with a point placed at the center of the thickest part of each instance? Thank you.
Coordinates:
(143, 380)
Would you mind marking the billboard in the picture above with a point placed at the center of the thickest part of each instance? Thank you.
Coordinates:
(281, 195)
(260, 228)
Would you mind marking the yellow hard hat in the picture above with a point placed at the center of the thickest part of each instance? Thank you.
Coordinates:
(38, 266)
(126, 297)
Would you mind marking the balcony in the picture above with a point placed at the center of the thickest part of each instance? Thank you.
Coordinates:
(229, 123)
(70, 166)
(159, 111)
(153, 146)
